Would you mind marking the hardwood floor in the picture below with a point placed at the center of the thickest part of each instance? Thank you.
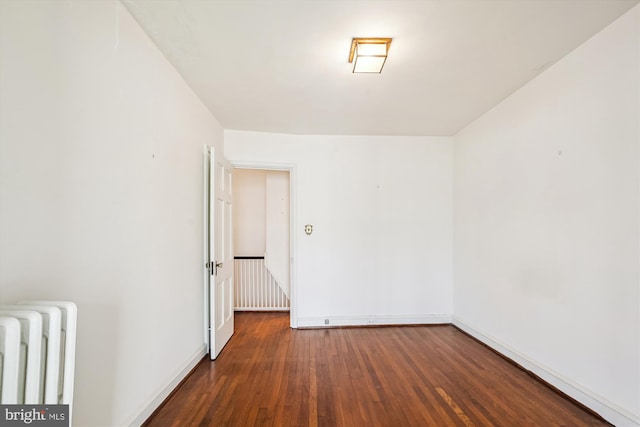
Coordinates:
(393, 376)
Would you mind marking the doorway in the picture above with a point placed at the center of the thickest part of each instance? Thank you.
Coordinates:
(263, 238)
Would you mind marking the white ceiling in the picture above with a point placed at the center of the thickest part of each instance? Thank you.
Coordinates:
(282, 66)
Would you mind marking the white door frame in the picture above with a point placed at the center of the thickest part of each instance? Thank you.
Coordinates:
(205, 252)
(293, 309)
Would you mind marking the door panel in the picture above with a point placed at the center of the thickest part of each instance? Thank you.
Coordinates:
(221, 259)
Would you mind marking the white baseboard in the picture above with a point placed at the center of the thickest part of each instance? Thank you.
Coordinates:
(329, 321)
(156, 401)
(607, 410)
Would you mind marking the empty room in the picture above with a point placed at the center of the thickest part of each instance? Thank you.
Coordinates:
(328, 213)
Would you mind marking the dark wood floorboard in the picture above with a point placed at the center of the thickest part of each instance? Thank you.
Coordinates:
(271, 375)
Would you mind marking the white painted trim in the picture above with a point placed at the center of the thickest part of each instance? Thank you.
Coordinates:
(429, 319)
(607, 410)
(293, 219)
(153, 403)
(293, 216)
(205, 250)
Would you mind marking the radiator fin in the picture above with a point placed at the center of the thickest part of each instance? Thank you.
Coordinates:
(37, 352)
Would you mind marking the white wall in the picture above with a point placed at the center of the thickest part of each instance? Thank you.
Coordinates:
(249, 212)
(277, 255)
(381, 208)
(101, 158)
(547, 223)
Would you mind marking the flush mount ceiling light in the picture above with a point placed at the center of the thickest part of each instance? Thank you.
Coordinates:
(368, 55)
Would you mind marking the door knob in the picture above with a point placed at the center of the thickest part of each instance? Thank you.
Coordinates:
(214, 271)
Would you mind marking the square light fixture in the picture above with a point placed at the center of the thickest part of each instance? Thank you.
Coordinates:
(368, 55)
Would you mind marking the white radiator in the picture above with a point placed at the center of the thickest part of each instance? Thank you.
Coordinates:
(255, 287)
(37, 352)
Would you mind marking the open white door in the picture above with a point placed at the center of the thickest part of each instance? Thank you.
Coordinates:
(220, 262)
